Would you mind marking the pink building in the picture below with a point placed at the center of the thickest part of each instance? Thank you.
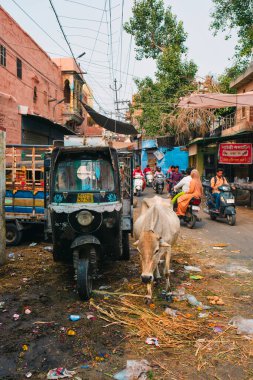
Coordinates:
(38, 95)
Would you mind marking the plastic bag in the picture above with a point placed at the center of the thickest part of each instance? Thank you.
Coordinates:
(135, 369)
(244, 325)
(189, 268)
(60, 373)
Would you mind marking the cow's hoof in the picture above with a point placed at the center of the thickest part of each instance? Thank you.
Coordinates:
(158, 280)
(148, 300)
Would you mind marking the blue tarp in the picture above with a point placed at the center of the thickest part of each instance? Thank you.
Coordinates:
(149, 144)
(172, 156)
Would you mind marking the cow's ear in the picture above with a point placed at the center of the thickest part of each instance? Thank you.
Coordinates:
(136, 243)
(163, 244)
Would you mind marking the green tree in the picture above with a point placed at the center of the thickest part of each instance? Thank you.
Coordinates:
(230, 15)
(158, 35)
(154, 28)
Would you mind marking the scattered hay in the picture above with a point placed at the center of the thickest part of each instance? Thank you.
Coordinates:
(143, 322)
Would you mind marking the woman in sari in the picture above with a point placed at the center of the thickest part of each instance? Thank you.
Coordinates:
(195, 191)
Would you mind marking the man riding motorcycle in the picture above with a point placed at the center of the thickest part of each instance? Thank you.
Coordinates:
(216, 182)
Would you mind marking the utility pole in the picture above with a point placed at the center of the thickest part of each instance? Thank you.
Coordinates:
(2, 196)
(115, 89)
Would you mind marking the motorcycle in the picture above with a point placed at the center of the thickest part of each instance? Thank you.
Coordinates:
(158, 183)
(227, 204)
(149, 179)
(138, 183)
(191, 215)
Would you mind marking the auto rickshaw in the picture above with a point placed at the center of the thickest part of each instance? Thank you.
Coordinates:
(90, 208)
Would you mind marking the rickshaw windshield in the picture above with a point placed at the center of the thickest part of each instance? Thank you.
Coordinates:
(84, 175)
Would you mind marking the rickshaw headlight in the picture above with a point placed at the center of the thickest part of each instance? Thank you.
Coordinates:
(84, 218)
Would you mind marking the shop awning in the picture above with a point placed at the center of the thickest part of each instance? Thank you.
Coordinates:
(112, 125)
(217, 100)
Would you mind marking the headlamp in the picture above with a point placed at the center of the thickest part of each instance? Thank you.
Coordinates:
(85, 218)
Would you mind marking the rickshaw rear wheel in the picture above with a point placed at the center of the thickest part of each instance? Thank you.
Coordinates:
(84, 279)
(13, 234)
(125, 247)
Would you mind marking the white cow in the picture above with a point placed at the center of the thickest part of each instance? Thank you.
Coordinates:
(156, 230)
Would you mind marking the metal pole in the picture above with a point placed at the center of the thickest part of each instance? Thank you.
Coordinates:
(115, 89)
(2, 196)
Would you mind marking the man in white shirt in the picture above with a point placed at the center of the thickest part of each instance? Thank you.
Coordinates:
(185, 182)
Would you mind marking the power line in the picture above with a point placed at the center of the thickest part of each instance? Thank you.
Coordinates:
(79, 27)
(92, 38)
(84, 19)
(128, 63)
(98, 31)
(84, 5)
(40, 27)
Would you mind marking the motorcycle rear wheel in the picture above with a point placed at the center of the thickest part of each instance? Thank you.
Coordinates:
(213, 216)
(192, 221)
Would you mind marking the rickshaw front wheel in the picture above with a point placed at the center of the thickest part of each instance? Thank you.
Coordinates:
(84, 278)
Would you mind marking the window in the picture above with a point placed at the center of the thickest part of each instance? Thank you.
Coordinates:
(66, 91)
(2, 55)
(84, 175)
(35, 96)
(19, 68)
(243, 112)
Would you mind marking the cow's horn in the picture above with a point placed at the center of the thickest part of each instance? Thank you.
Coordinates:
(136, 243)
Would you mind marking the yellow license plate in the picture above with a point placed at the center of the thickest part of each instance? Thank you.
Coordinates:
(85, 198)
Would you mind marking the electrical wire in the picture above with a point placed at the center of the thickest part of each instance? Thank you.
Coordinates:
(128, 63)
(120, 40)
(85, 19)
(92, 38)
(98, 31)
(40, 27)
(84, 5)
(79, 27)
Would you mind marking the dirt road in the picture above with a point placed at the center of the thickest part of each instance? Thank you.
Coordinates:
(113, 328)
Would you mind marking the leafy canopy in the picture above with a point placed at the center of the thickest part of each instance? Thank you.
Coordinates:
(158, 35)
(235, 14)
(154, 28)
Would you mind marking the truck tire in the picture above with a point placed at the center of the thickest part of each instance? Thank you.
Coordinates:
(13, 234)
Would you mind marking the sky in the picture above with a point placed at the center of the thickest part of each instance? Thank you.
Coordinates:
(88, 29)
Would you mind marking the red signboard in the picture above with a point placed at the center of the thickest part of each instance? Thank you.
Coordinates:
(235, 153)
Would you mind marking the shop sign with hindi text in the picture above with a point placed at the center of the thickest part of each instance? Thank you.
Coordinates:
(237, 153)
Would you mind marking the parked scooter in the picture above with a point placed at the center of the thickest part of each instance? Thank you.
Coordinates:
(138, 184)
(158, 183)
(191, 215)
(149, 179)
(227, 204)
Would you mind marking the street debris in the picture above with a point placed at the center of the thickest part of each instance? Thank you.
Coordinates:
(215, 300)
(104, 287)
(135, 369)
(91, 317)
(196, 277)
(244, 325)
(16, 317)
(217, 329)
(25, 347)
(152, 341)
(33, 244)
(71, 332)
(233, 269)
(74, 317)
(220, 245)
(28, 374)
(190, 268)
(217, 247)
(48, 248)
(171, 312)
(27, 310)
(11, 256)
(203, 315)
(2, 304)
(60, 373)
(194, 302)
